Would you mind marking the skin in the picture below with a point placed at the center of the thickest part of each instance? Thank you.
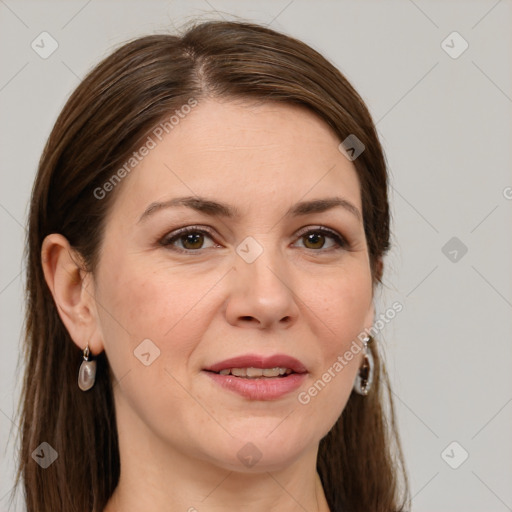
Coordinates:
(179, 433)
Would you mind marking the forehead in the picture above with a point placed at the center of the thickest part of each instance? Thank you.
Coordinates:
(243, 153)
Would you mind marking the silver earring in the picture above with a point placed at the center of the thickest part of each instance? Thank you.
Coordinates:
(87, 372)
(364, 377)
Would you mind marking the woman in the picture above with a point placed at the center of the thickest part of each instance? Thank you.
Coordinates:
(206, 233)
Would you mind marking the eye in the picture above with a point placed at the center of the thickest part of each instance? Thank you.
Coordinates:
(316, 239)
(191, 239)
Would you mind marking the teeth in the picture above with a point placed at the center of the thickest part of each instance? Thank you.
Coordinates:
(254, 373)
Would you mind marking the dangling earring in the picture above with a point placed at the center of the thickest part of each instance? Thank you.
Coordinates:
(87, 372)
(364, 377)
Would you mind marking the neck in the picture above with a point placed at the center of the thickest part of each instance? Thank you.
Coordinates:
(273, 491)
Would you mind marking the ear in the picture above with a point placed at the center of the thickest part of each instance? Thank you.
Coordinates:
(72, 288)
(379, 269)
(370, 316)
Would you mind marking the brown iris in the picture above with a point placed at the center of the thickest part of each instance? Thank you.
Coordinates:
(316, 239)
(192, 240)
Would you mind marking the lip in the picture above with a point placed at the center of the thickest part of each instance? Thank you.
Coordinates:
(259, 361)
(265, 388)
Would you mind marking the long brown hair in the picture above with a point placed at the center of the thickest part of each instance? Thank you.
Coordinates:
(114, 108)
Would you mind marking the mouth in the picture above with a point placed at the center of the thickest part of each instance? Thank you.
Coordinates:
(257, 373)
(254, 365)
(258, 377)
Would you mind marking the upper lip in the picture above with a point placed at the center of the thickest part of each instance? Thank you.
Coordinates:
(259, 361)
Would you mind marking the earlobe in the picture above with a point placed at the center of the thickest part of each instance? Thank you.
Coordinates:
(72, 291)
(379, 269)
(370, 314)
(370, 317)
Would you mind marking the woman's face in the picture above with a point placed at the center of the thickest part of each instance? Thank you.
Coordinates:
(261, 282)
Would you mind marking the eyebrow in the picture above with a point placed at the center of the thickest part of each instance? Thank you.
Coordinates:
(218, 209)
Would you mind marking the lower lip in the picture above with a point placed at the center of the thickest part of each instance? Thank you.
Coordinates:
(265, 388)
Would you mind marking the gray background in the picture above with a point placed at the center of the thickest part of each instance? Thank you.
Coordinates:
(445, 124)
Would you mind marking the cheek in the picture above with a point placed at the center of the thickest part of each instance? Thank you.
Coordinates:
(170, 309)
(343, 304)
(152, 323)
(340, 306)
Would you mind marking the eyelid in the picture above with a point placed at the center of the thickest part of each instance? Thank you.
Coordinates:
(321, 228)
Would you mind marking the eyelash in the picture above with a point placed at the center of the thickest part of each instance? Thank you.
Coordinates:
(167, 241)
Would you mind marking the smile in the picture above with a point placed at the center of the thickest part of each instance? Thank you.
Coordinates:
(256, 373)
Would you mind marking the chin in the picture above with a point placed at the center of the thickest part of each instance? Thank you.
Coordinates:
(260, 453)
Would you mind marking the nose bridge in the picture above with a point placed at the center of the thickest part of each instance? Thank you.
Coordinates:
(262, 290)
(264, 271)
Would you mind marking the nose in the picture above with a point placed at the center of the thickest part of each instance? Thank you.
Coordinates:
(261, 294)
